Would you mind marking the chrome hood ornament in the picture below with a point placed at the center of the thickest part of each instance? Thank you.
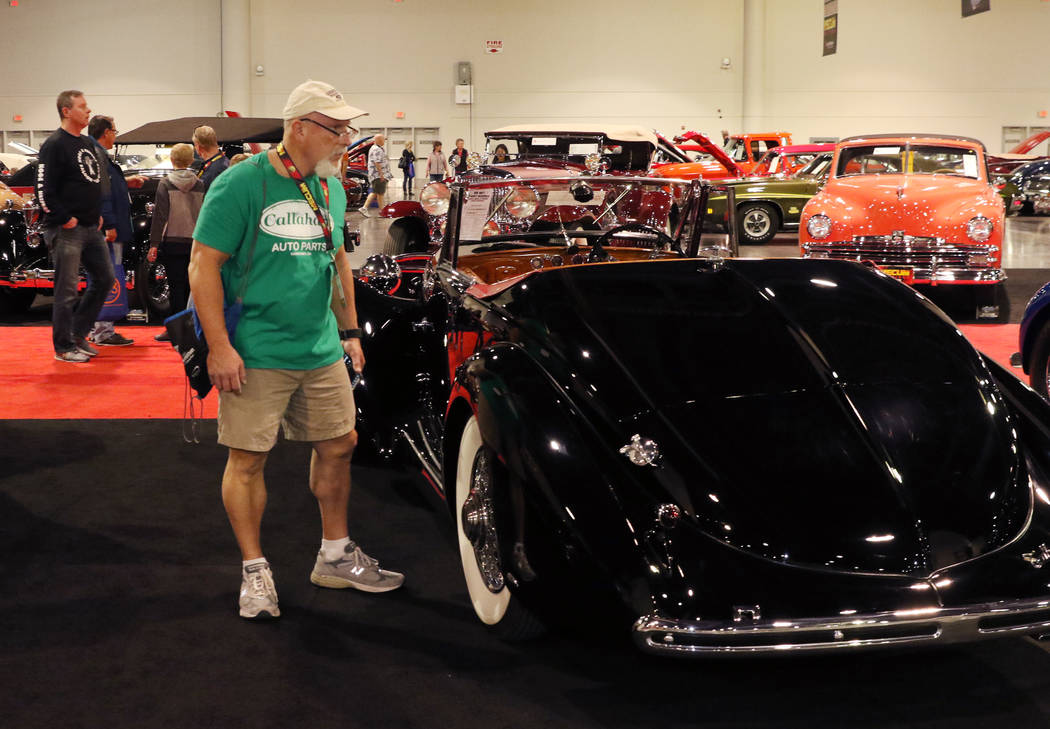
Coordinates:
(641, 451)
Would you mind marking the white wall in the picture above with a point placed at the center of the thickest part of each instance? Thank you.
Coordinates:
(908, 66)
(902, 65)
(561, 60)
(135, 60)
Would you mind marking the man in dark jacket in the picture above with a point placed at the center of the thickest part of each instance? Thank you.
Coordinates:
(116, 214)
(69, 190)
(213, 161)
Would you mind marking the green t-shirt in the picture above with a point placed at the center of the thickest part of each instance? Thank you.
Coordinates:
(287, 321)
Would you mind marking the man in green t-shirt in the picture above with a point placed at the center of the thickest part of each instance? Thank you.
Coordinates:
(260, 238)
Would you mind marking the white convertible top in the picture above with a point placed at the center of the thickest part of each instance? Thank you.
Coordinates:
(617, 132)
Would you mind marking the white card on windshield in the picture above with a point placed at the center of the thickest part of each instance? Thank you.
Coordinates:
(475, 213)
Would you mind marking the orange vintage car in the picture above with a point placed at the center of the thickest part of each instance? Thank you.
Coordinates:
(920, 207)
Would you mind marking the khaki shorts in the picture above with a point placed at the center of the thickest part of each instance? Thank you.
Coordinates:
(379, 187)
(311, 405)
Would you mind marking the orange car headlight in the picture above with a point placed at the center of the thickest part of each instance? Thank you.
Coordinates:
(819, 226)
(979, 229)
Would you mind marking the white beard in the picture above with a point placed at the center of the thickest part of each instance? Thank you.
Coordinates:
(327, 168)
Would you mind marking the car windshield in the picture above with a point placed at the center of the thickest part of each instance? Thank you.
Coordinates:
(737, 150)
(143, 157)
(574, 148)
(926, 159)
(816, 167)
(581, 209)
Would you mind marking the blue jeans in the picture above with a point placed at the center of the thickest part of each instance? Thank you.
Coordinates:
(71, 248)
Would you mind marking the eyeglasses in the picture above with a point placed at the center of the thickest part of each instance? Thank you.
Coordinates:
(349, 130)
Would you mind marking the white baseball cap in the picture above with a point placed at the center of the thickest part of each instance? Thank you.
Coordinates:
(318, 96)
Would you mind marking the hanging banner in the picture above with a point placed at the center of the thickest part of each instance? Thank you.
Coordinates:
(831, 26)
(972, 7)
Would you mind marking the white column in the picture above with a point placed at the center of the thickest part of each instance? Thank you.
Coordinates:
(754, 81)
(236, 56)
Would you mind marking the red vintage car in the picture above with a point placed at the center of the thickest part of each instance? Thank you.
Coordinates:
(919, 207)
(540, 150)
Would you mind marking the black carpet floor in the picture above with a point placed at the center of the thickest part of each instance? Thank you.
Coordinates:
(118, 592)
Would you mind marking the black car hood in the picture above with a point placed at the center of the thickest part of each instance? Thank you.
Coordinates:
(812, 412)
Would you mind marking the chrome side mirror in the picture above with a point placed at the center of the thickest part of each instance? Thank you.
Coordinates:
(381, 272)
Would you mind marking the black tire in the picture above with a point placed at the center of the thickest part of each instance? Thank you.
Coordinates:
(406, 235)
(1040, 362)
(151, 285)
(757, 223)
(16, 301)
(497, 607)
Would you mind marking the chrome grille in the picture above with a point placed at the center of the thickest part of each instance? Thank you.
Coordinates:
(916, 253)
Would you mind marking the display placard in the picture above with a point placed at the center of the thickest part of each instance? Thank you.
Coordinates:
(475, 213)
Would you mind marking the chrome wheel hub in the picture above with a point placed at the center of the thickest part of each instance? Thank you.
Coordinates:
(479, 523)
(757, 222)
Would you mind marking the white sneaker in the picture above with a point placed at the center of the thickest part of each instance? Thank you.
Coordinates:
(258, 593)
(364, 211)
(354, 569)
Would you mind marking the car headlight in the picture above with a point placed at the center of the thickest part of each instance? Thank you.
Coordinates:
(434, 198)
(819, 226)
(522, 202)
(979, 229)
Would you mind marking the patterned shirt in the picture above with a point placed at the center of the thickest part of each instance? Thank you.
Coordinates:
(378, 163)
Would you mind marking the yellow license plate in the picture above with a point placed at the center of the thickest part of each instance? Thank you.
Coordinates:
(904, 274)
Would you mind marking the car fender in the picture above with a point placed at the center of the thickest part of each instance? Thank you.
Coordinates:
(1036, 316)
(577, 521)
(403, 209)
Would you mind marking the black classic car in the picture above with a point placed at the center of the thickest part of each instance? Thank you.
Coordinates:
(730, 455)
(1027, 191)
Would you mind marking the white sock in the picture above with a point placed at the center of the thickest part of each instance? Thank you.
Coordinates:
(333, 549)
(249, 562)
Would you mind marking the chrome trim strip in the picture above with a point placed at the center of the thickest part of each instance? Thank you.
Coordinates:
(931, 626)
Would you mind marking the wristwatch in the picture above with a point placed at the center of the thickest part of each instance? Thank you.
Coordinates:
(350, 333)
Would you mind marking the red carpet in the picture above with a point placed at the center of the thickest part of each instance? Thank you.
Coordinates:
(145, 380)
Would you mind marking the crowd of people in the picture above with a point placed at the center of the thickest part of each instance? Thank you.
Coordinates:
(282, 366)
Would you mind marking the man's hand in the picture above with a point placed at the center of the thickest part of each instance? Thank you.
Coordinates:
(111, 235)
(135, 181)
(226, 369)
(357, 357)
(71, 223)
(151, 256)
(101, 222)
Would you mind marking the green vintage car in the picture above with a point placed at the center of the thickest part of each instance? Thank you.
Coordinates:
(767, 205)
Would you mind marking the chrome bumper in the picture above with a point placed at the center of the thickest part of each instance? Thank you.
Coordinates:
(34, 278)
(921, 627)
(929, 260)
